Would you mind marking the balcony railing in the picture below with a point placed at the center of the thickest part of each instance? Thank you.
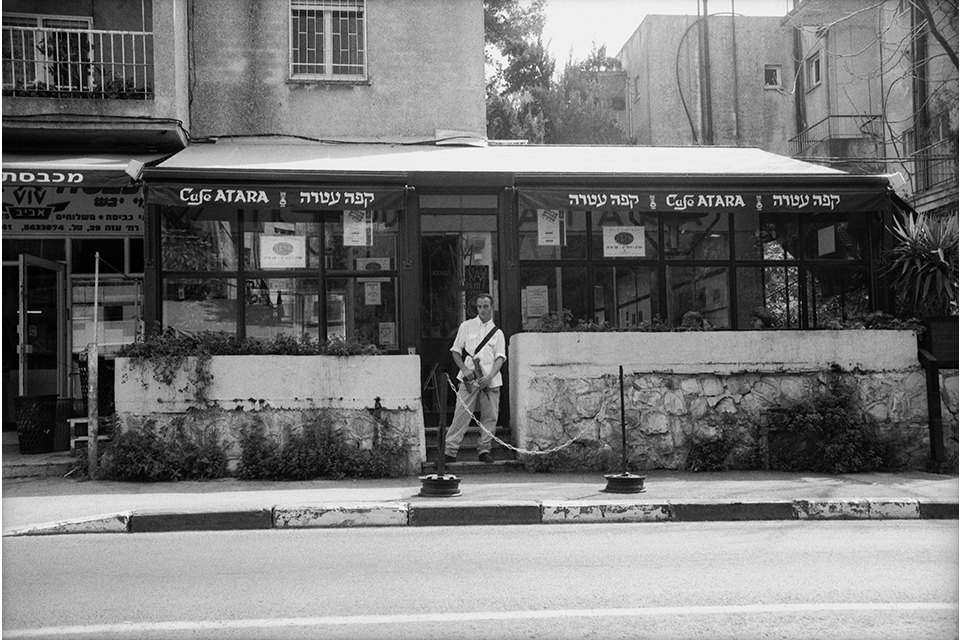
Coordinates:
(934, 166)
(837, 128)
(74, 63)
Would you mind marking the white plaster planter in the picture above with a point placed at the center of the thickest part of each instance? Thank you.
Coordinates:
(285, 387)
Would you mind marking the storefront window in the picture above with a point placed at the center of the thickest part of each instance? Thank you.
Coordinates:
(282, 306)
(835, 238)
(626, 296)
(835, 294)
(275, 241)
(362, 241)
(200, 304)
(84, 251)
(699, 289)
(545, 290)
(363, 310)
(696, 236)
(547, 234)
(200, 244)
(119, 312)
(774, 237)
(776, 289)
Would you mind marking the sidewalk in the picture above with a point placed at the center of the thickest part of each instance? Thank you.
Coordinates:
(33, 506)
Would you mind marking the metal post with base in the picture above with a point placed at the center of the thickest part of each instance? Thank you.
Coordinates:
(625, 482)
(440, 484)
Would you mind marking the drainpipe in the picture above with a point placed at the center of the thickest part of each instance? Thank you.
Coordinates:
(706, 96)
(736, 74)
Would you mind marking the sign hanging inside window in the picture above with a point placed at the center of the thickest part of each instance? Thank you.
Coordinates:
(551, 230)
(283, 252)
(624, 242)
(357, 228)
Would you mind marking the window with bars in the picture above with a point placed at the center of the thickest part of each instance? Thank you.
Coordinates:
(328, 40)
(54, 51)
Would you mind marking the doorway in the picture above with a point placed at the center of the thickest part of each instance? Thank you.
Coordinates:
(459, 260)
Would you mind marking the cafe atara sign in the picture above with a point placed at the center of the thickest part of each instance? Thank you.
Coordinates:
(705, 201)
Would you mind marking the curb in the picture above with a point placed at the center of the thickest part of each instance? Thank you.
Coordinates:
(426, 514)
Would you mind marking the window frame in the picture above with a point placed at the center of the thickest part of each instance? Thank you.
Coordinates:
(779, 77)
(41, 62)
(327, 9)
(813, 70)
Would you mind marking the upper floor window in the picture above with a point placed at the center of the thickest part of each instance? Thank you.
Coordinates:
(328, 40)
(813, 71)
(771, 77)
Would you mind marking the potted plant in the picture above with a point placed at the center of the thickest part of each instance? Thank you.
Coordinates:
(923, 265)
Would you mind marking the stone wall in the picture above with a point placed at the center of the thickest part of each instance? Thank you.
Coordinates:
(679, 387)
(366, 398)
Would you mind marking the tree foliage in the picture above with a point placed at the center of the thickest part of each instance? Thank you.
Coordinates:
(526, 98)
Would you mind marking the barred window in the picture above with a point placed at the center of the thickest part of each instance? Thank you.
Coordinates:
(328, 40)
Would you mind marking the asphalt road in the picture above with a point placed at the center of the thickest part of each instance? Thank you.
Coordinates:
(895, 579)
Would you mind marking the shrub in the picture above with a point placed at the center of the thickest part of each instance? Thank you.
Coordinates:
(731, 445)
(828, 434)
(316, 450)
(142, 454)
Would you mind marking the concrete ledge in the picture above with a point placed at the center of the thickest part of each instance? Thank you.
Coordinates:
(939, 510)
(574, 512)
(832, 509)
(152, 522)
(705, 511)
(371, 514)
(895, 509)
(108, 523)
(473, 513)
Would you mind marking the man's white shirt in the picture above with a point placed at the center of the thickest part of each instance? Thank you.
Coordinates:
(469, 335)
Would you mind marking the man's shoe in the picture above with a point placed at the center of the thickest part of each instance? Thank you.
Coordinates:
(448, 458)
(486, 458)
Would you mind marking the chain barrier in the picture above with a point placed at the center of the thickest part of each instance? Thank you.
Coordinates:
(540, 452)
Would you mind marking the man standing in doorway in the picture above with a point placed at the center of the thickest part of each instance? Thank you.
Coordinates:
(479, 351)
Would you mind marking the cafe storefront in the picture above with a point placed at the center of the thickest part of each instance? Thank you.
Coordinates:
(388, 244)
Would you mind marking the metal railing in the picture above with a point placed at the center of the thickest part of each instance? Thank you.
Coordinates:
(849, 127)
(934, 165)
(77, 63)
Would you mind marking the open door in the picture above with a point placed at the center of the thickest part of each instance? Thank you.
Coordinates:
(42, 328)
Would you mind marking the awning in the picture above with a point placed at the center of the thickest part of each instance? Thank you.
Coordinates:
(65, 170)
(215, 195)
(704, 200)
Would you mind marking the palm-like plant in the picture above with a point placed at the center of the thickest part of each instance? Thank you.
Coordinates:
(923, 263)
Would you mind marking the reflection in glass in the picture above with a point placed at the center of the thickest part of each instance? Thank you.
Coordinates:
(282, 306)
(189, 244)
(776, 238)
(200, 304)
(696, 236)
(836, 238)
(370, 245)
(835, 294)
(775, 289)
(704, 290)
(626, 296)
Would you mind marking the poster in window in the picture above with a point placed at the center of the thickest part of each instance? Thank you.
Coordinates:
(283, 252)
(826, 241)
(624, 242)
(388, 333)
(537, 301)
(357, 228)
(551, 229)
(371, 294)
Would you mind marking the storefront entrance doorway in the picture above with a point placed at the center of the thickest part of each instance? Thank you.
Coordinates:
(459, 260)
(41, 327)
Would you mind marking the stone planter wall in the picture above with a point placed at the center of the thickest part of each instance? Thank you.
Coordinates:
(678, 386)
(367, 397)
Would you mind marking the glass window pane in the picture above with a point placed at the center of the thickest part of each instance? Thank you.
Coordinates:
(83, 255)
(773, 289)
(281, 240)
(196, 244)
(836, 237)
(363, 310)
(618, 234)
(50, 249)
(136, 255)
(773, 237)
(552, 235)
(625, 296)
(696, 236)
(546, 290)
(367, 243)
(119, 312)
(698, 290)
(283, 306)
(835, 294)
(200, 304)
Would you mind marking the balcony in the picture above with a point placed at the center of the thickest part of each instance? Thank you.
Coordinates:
(935, 176)
(75, 63)
(846, 128)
